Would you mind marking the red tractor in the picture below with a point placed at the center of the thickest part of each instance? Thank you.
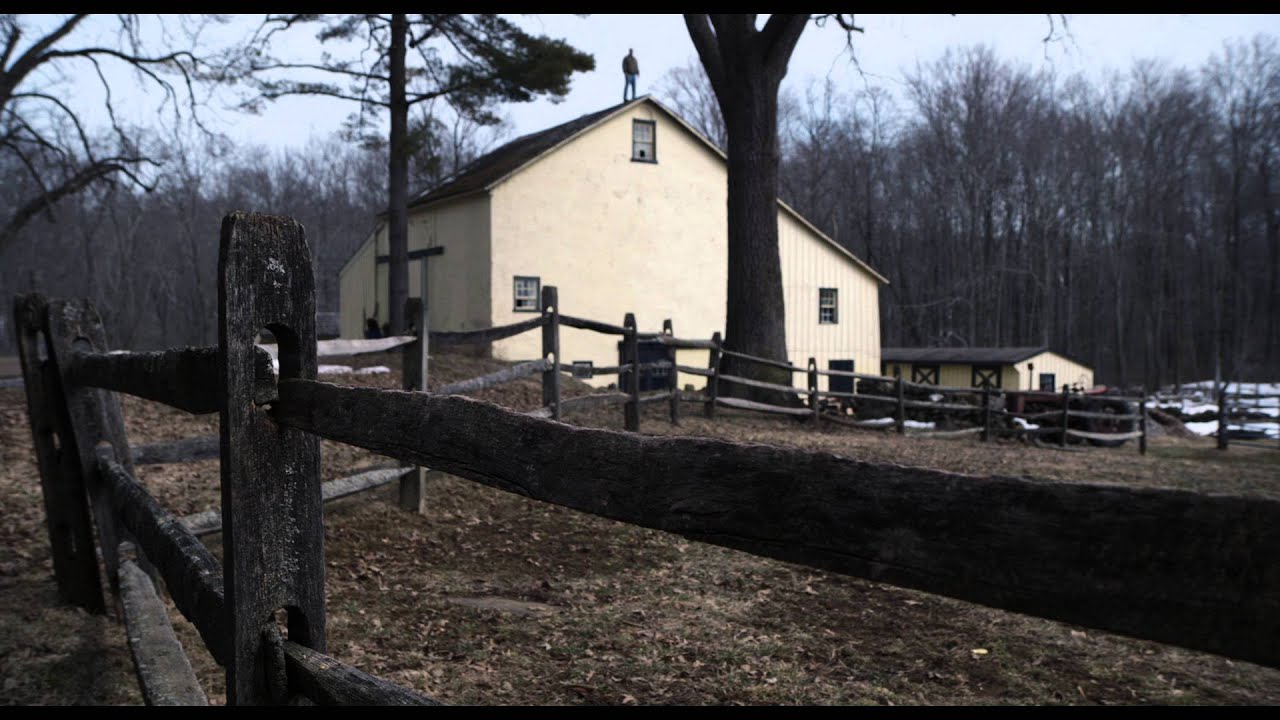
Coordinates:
(1098, 402)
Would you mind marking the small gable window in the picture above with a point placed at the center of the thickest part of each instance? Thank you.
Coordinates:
(527, 294)
(644, 141)
(1048, 381)
(827, 306)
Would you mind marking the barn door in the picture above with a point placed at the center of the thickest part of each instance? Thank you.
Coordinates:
(836, 383)
(649, 351)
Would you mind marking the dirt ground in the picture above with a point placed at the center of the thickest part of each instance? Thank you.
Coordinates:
(490, 598)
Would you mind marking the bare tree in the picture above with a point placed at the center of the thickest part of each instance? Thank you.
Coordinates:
(688, 91)
(40, 132)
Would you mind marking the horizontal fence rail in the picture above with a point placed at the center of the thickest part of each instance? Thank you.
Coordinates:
(762, 361)
(326, 681)
(210, 521)
(185, 379)
(190, 572)
(595, 325)
(205, 447)
(515, 372)
(164, 672)
(484, 335)
(1184, 568)
(763, 384)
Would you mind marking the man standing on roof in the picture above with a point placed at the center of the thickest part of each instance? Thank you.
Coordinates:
(630, 68)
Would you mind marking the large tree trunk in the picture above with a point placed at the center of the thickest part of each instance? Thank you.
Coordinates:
(398, 181)
(745, 67)
(755, 314)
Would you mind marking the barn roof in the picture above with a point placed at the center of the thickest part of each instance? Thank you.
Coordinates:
(968, 355)
(492, 168)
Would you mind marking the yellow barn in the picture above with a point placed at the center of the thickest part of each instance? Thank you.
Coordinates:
(623, 210)
(1011, 368)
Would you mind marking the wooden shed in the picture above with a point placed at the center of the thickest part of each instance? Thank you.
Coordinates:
(1009, 368)
(623, 210)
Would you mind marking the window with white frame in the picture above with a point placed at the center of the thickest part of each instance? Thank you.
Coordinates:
(827, 306)
(527, 289)
(644, 141)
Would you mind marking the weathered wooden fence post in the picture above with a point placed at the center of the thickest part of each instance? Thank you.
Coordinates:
(1142, 422)
(986, 414)
(713, 381)
(813, 393)
(413, 487)
(1222, 417)
(66, 507)
(1066, 413)
(272, 527)
(901, 419)
(631, 345)
(673, 379)
(92, 417)
(551, 350)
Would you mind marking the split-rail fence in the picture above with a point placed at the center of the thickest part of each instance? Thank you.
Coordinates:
(1195, 570)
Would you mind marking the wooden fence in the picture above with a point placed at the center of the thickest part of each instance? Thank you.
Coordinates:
(1239, 411)
(1199, 571)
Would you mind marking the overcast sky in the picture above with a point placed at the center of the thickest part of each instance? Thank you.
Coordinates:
(890, 45)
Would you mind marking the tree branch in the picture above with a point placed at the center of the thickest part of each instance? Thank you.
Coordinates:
(779, 39)
(708, 47)
(323, 68)
(48, 198)
(305, 89)
(33, 57)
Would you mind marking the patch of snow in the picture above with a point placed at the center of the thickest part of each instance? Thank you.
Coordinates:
(333, 369)
(1024, 424)
(1246, 388)
(375, 370)
(883, 421)
(1208, 427)
(1185, 406)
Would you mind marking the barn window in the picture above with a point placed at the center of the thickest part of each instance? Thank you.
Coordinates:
(644, 144)
(827, 306)
(986, 376)
(1048, 381)
(527, 289)
(924, 374)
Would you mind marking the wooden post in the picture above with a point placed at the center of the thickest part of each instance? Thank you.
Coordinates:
(986, 414)
(901, 420)
(1142, 422)
(413, 487)
(673, 379)
(66, 507)
(272, 528)
(631, 349)
(813, 393)
(92, 418)
(1222, 417)
(1066, 413)
(551, 350)
(713, 382)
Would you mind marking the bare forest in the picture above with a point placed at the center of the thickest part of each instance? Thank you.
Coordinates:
(1131, 222)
